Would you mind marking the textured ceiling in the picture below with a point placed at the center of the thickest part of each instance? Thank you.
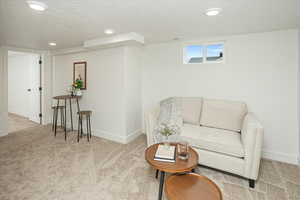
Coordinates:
(70, 22)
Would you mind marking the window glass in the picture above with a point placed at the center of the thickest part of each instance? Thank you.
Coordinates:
(214, 52)
(194, 54)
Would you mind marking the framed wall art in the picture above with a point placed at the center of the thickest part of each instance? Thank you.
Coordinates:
(79, 74)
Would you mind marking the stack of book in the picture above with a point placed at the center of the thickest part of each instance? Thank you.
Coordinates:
(165, 153)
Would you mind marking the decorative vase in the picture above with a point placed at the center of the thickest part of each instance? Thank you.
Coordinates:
(183, 150)
(166, 141)
(78, 93)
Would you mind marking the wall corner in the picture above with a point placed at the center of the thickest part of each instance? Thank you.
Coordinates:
(3, 92)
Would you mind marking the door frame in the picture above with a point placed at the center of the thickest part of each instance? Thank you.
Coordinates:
(45, 68)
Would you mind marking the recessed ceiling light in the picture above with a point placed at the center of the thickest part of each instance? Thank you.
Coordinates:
(109, 31)
(52, 43)
(36, 5)
(213, 11)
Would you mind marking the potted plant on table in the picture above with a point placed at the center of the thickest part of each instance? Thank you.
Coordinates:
(77, 87)
(167, 130)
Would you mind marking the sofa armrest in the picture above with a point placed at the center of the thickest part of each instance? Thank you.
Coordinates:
(151, 118)
(252, 139)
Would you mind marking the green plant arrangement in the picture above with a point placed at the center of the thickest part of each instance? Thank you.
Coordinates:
(167, 130)
(76, 87)
(78, 84)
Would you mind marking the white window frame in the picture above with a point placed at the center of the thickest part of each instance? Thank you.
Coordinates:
(204, 44)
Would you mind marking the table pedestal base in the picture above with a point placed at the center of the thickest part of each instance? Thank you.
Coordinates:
(161, 184)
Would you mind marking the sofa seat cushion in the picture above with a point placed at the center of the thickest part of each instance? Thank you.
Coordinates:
(212, 139)
(191, 110)
(223, 114)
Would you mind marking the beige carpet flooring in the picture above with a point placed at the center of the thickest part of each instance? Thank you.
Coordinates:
(17, 123)
(36, 166)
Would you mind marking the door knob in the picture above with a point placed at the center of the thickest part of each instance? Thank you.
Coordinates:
(29, 90)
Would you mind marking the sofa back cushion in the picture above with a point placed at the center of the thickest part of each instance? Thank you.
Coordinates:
(223, 114)
(191, 110)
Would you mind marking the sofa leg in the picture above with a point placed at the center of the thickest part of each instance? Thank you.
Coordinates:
(251, 183)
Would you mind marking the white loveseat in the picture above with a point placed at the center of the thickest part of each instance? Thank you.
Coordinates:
(226, 136)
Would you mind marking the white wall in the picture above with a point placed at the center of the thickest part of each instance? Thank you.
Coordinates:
(106, 94)
(47, 87)
(3, 91)
(260, 69)
(104, 87)
(23, 74)
(299, 91)
(132, 85)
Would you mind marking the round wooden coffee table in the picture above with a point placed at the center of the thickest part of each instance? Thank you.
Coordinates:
(191, 187)
(180, 166)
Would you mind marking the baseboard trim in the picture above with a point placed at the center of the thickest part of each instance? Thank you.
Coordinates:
(2, 133)
(3, 123)
(116, 138)
(282, 157)
(108, 135)
(299, 161)
(133, 135)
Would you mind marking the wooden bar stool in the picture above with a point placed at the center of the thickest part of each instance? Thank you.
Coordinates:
(81, 115)
(55, 114)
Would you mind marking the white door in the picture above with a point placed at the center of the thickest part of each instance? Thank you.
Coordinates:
(34, 89)
(19, 75)
(23, 85)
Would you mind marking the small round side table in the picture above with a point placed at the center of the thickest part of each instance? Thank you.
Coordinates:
(191, 187)
(180, 166)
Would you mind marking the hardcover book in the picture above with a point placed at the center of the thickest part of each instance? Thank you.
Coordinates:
(165, 153)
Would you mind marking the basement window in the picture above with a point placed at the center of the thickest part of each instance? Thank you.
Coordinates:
(206, 53)
(194, 54)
